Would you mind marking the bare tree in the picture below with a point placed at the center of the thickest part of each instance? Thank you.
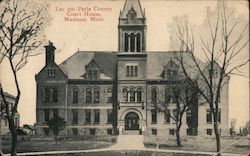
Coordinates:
(181, 95)
(21, 32)
(223, 45)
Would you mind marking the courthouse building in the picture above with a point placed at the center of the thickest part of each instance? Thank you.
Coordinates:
(97, 92)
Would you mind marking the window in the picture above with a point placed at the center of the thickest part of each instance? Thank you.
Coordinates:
(46, 115)
(154, 131)
(109, 131)
(153, 116)
(192, 131)
(75, 131)
(132, 95)
(132, 71)
(128, 70)
(75, 95)
(154, 95)
(171, 131)
(109, 100)
(209, 131)
(55, 113)
(126, 42)
(96, 95)
(171, 74)
(110, 115)
(167, 116)
(51, 73)
(88, 95)
(175, 113)
(209, 116)
(47, 94)
(136, 70)
(97, 116)
(139, 95)
(138, 42)
(125, 95)
(46, 131)
(132, 42)
(189, 116)
(92, 131)
(94, 74)
(55, 99)
(89, 74)
(88, 116)
(75, 116)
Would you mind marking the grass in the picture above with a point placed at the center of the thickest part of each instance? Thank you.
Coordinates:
(238, 145)
(39, 145)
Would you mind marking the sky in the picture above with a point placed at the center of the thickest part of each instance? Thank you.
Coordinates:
(69, 37)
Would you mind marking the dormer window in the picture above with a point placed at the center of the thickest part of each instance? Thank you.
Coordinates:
(170, 71)
(93, 71)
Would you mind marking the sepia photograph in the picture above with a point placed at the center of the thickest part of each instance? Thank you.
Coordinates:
(124, 78)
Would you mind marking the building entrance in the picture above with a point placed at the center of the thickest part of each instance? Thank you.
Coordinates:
(132, 121)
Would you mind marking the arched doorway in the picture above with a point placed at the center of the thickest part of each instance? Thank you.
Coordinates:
(132, 121)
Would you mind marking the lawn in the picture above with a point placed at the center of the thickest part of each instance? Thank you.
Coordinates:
(238, 145)
(41, 144)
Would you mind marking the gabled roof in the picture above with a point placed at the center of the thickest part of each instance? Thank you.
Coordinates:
(135, 5)
(157, 60)
(74, 66)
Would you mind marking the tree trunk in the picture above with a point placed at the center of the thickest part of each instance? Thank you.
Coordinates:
(217, 136)
(178, 138)
(13, 138)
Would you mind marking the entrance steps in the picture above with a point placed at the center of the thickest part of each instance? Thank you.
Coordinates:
(129, 142)
(130, 132)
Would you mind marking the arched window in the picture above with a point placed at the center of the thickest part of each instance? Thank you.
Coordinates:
(154, 95)
(110, 99)
(47, 94)
(96, 95)
(88, 95)
(132, 42)
(75, 95)
(139, 95)
(126, 42)
(125, 95)
(55, 95)
(132, 95)
(138, 42)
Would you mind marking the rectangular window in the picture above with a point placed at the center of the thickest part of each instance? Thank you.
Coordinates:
(110, 115)
(136, 70)
(128, 71)
(46, 115)
(171, 131)
(89, 74)
(131, 70)
(55, 92)
(109, 98)
(46, 131)
(47, 94)
(94, 75)
(189, 116)
(87, 116)
(109, 131)
(167, 116)
(154, 131)
(209, 131)
(51, 73)
(55, 113)
(75, 131)
(153, 116)
(75, 116)
(209, 116)
(92, 131)
(97, 116)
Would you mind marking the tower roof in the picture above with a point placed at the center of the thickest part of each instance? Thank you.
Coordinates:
(135, 5)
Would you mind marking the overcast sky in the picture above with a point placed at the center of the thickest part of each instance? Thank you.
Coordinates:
(68, 37)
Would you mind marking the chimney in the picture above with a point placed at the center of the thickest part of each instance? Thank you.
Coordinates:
(50, 53)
